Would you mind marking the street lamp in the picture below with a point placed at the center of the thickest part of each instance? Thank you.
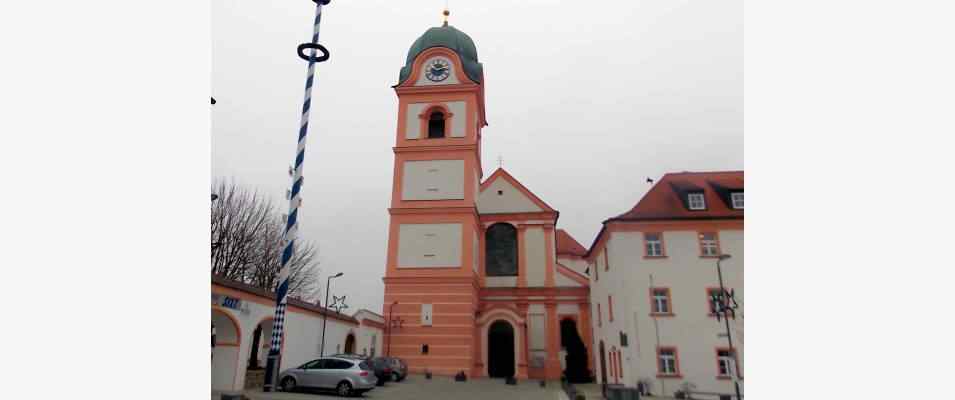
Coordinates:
(391, 318)
(724, 310)
(328, 285)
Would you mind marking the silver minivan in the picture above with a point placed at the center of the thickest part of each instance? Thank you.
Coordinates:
(347, 377)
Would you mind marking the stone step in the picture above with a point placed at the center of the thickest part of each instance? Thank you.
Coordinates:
(590, 391)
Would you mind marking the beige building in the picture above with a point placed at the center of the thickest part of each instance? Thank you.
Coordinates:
(652, 273)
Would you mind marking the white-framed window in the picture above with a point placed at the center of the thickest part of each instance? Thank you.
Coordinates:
(667, 362)
(709, 244)
(654, 244)
(696, 200)
(724, 362)
(737, 198)
(661, 300)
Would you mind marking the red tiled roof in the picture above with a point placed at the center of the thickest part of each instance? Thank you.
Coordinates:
(566, 244)
(666, 200)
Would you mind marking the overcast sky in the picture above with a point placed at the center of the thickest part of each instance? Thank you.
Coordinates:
(585, 100)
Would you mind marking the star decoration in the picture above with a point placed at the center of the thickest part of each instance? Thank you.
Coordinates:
(338, 304)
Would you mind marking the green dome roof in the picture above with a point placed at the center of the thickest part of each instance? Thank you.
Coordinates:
(445, 36)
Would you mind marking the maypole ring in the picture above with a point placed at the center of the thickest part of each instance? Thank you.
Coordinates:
(316, 46)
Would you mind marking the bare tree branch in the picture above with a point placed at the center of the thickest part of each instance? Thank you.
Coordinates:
(249, 232)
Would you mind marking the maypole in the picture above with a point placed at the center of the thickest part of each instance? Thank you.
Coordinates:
(295, 200)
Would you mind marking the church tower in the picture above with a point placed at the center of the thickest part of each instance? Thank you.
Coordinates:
(431, 277)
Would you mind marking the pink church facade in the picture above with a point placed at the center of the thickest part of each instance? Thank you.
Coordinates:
(477, 272)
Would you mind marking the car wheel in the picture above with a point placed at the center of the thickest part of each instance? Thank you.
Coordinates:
(343, 389)
(395, 377)
(288, 384)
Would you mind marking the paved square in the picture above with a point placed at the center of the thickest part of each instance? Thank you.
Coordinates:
(415, 387)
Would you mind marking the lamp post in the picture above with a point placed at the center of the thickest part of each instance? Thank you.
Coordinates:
(328, 285)
(391, 318)
(723, 309)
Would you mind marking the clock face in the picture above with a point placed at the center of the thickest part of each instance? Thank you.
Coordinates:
(437, 70)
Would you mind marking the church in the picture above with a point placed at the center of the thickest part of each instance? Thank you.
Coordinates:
(478, 278)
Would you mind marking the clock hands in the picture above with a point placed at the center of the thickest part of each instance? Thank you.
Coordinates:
(438, 70)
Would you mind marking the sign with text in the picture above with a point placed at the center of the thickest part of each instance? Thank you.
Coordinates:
(230, 302)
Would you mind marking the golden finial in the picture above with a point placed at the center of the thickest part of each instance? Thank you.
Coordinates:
(446, 14)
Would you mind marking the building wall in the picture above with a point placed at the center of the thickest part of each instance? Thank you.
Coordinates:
(433, 180)
(449, 336)
(561, 280)
(429, 245)
(303, 330)
(691, 329)
(533, 248)
(577, 264)
(226, 352)
(537, 328)
(370, 333)
(510, 200)
(369, 341)
(501, 281)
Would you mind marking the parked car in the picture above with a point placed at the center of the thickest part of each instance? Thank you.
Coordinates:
(346, 376)
(382, 368)
(399, 369)
(350, 355)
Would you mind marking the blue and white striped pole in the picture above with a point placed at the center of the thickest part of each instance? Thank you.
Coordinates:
(295, 200)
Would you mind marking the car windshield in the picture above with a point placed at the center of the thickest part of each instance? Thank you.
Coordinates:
(364, 366)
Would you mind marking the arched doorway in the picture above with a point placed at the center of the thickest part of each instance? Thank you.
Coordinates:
(225, 354)
(576, 360)
(261, 344)
(603, 363)
(500, 350)
(350, 344)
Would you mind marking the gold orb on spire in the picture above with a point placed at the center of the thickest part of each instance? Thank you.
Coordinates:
(446, 14)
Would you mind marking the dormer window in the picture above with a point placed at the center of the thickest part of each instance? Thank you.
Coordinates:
(436, 125)
(737, 198)
(696, 201)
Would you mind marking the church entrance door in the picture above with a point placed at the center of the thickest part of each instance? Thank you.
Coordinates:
(576, 359)
(500, 350)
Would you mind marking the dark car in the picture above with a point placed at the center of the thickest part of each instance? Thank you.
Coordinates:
(381, 366)
(399, 369)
